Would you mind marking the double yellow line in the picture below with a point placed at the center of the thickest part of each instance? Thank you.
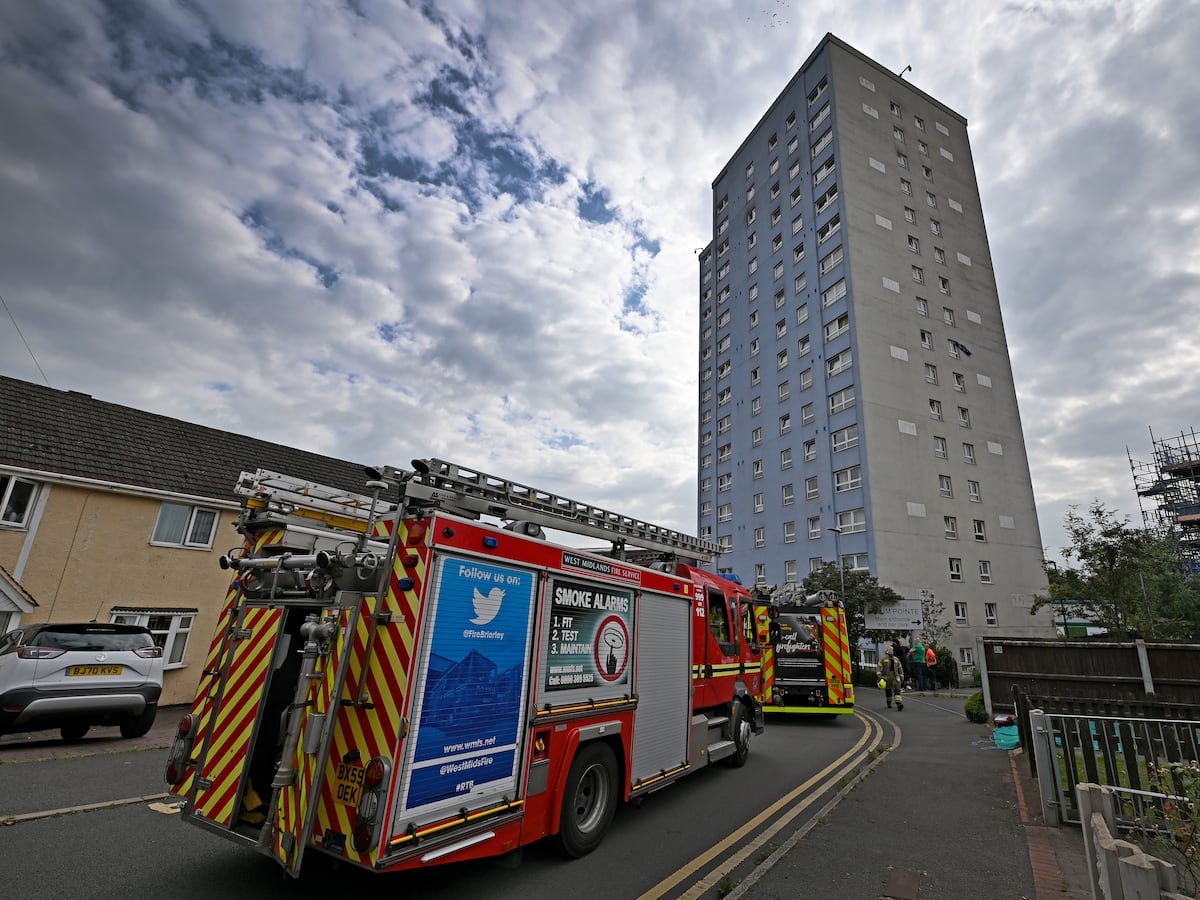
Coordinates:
(806, 794)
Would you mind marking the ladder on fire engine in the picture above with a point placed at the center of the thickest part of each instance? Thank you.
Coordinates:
(286, 495)
(451, 487)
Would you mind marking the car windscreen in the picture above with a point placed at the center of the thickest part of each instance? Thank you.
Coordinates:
(92, 638)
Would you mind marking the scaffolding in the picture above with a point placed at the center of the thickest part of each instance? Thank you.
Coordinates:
(1168, 491)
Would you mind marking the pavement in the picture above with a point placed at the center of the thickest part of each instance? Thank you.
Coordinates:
(941, 815)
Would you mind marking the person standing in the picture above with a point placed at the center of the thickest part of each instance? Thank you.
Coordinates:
(931, 667)
(918, 664)
(902, 654)
(892, 673)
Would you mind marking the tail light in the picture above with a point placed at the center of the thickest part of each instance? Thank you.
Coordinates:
(29, 652)
(367, 819)
(178, 762)
(149, 652)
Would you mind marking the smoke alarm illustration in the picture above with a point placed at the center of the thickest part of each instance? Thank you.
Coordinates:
(487, 607)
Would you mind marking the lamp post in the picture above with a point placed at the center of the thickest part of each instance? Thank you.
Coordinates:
(837, 550)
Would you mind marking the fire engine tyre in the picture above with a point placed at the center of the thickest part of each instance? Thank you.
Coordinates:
(589, 801)
(741, 729)
(139, 725)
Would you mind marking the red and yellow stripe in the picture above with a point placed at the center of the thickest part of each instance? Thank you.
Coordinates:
(838, 682)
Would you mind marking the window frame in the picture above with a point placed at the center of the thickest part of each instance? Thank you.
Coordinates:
(186, 539)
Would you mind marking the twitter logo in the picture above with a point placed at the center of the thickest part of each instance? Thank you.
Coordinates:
(487, 607)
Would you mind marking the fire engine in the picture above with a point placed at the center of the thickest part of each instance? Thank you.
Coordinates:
(397, 682)
(806, 656)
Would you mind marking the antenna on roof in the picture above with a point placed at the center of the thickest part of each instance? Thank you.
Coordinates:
(905, 69)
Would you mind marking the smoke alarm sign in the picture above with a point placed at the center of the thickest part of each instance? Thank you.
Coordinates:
(589, 635)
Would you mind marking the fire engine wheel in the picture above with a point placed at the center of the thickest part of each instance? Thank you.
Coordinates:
(740, 731)
(590, 799)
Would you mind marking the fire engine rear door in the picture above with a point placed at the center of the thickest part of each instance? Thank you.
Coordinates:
(223, 768)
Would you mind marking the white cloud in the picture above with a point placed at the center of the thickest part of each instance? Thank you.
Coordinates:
(244, 217)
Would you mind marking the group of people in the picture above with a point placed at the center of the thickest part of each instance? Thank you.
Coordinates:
(902, 667)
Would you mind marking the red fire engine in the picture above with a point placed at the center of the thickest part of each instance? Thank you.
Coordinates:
(396, 683)
(806, 657)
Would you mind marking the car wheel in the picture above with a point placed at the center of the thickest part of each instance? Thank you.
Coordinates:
(74, 731)
(139, 725)
(589, 801)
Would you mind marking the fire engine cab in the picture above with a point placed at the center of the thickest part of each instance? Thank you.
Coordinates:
(396, 682)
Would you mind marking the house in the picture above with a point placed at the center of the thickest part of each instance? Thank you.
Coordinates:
(109, 513)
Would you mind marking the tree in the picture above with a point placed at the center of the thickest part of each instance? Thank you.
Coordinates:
(936, 629)
(1129, 581)
(863, 594)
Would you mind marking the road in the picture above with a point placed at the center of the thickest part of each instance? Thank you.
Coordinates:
(679, 843)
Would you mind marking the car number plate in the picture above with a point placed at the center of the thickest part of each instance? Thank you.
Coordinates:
(95, 670)
(348, 783)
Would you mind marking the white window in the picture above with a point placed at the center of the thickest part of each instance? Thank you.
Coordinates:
(985, 573)
(989, 612)
(795, 196)
(785, 458)
(910, 215)
(812, 489)
(755, 405)
(980, 530)
(922, 307)
(840, 363)
(750, 170)
(724, 543)
(776, 215)
(781, 328)
(791, 120)
(818, 91)
(820, 117)
(788, 494)
(724, 453)
(950, 526)
(822, 142)
(969, 454)
(724, 370)
(833, 293)
(826, 199)
(814, 528)
(774, 164)
(777, 272)
(943, 284)
(824, 171)
(802, 314)
(926, 339)
(749, 193)
(806, 414)
(180, 525)
(751, 215)
(706, 508)
(756, 468)
(706, 461)
(898, 133)
(724, 512)
(964, 417)
(973, 492)
(16, 501)
(840, 400)
(894, 107)
(170, 628)
(931, 373)
(848, 479)
(754, 344)
(721, 273)
(829, 229)
(952, 348)
(724, 397)
(724, 482)
(939, 447)
(935, 226)
(960, 613)
(906, 187)
(857, 562)
(803, 346)
(837, 327)
(797, 224)
(781, 359)
(752, 240)
(831, 260)
(901, 160)
(789, 570)
(724, 343)
(793, 144)
(945, 486)
(852, 521)
(776, 242)
(931, 199)
(914, 245)
(870, 86)
(789, 532)
(810, 450)
(956, 570)
(960, 383)
(927, 172)
(965, 656)
(918, 274)
(785, 391)
(760, 537)
(758, 502)
(752, 266)
(815, 564)
(779, 298)
(723, 319)
(845, 438)
(935, 409)
(806, 379)
(939, 255)
(756, 437)
(923, 148)
(785, 423)
(798, 253)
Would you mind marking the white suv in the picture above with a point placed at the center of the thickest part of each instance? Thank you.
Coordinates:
(74, 676)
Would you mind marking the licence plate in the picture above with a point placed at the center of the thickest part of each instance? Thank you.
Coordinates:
(348, 783)
(95, 670)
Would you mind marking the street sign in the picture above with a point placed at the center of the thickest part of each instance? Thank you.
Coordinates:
(903, 615)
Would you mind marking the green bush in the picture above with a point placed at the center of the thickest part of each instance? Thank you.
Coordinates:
(975, 709)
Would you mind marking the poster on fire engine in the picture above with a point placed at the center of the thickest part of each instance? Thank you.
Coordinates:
(590, 635)
(471, 704)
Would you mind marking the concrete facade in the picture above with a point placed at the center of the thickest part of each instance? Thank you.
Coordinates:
(854, 371)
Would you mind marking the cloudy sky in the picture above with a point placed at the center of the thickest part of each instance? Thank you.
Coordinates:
(380, 230)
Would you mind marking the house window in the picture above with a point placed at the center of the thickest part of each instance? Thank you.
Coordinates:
(985, 573)
(760, 537)
(931, 373)
(752, 266)
(724, 482)
(724, 453)
(750, 170)
(776, 215)
(752, 241)
(931, 199)
(829, 229)
(179, 525)
(945, 486)
(837, 327)
(785, 423)
(956, 571)
(725, 396)
(950, 526)
(754, 344)
(906, 187)
(852, 521)
(797, 224)
(780, 328)
(774, 164)
(910, 215)
(814, 528)
(803, 346)
(785, 458)
(923, 148)
(939, 447)
(839, 363)
(789, 532)
(980, 530)
(895, 108)
(824, 171)
(822, 142)
(989, 613)
(965, 657)
(973, 491)
(785, 391)
(913, 244)
(801, 313)
(755, 375)
(960, 613)
(798, 254)
(840, 400)
(781, 359)
(922, 307)
(935, 409)
(918, 274)
(811, 489)
(795, 196)
(810, 450)
(856, 562)
(848, 479)
(943, 284)
(751, 215)
(788, 495)
(724, 512)
(756, 437)
(901, 160)
(793, 144)
(952, 348)
(806, 414)
(831, 260)
(758, 502)
(969, 454)
(898, 133)
(789, 570)
(826, 199)
(815, 564)
(939, 255)
(926, 339)
(16, 501)
(706, 508)
(776, 242)
(755, 405)
(845, 438)
(169, 627)
(756, 469)
(833, 293)
(806, 379)
(964, 417)
(960, 383)
(935, 227)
